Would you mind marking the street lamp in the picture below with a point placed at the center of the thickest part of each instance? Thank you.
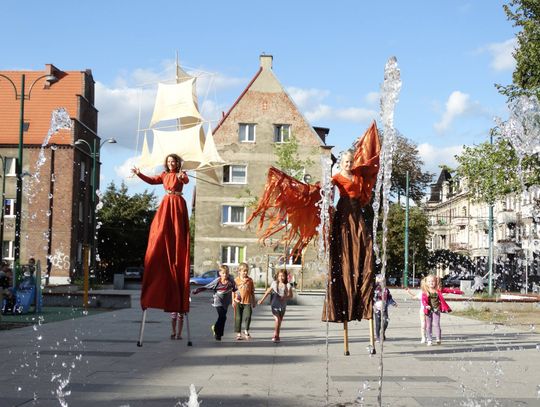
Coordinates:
(2, 209)
(22, 96)
(94, 154)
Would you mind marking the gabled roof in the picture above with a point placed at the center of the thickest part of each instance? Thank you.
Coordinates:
(238, 99)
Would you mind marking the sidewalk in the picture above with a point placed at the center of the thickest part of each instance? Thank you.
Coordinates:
(97, 360)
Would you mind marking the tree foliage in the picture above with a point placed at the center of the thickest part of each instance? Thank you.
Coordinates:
(125, 223)
(289, 161)
(395, 246)
(525, 14)
(406, 158)
(491, 170)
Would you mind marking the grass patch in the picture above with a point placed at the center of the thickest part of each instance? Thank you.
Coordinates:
(526, 318)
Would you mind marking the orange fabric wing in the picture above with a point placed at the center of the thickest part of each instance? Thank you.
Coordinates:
(366, 161)
(288, 202)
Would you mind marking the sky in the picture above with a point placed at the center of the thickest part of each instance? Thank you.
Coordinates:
(329, 56)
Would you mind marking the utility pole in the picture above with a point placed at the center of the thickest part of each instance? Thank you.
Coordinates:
(406, 268)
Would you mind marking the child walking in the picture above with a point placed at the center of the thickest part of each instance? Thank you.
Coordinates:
(223, 287)
(281, 291)
(177, 317)
(244, 302)
(434, 304)
(380, 311)
(418, 296)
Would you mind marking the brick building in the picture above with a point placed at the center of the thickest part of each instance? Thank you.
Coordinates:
(262, 116)
(56, 214)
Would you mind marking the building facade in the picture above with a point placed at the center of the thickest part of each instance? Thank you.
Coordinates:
(460, 224)
(56, 213)
(263, 115)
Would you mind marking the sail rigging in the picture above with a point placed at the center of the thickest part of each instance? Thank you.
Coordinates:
(178, 101)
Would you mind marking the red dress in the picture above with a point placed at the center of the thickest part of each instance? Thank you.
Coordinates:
(166, 264)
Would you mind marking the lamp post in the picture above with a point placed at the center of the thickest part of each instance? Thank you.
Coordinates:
(490, 241)
(22, 96)
(94, 154)
(2, 209)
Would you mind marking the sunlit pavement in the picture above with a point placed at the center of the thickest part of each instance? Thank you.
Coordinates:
(94, 361)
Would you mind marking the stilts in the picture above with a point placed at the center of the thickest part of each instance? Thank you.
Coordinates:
(141, 332)
(346, 338)
(371, 347)
(188, 332)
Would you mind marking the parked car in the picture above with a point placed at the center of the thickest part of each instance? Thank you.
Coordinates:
(133, 272)
(205, 278)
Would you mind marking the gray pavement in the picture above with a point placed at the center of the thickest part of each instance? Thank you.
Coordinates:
(94, 361)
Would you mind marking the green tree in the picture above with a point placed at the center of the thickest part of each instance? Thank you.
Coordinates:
(524, 14)
(289, 161)
(395, 247)
(491, 170)
(406, 158)
(125, 223)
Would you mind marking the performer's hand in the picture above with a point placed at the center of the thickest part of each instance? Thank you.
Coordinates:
(135, 170)
(181, 175)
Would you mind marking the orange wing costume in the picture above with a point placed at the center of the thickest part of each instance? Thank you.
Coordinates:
(288, 204)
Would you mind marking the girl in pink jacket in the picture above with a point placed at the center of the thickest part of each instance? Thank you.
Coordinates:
(434, 304)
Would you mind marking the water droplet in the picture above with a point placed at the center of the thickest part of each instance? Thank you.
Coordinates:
(39, 338)
(19, 388)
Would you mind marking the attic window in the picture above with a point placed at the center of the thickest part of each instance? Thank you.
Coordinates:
(26, 125)
(282, 133)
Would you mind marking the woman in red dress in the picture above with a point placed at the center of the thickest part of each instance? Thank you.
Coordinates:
(166, 264)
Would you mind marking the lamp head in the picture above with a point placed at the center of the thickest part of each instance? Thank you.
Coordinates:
(51, 78)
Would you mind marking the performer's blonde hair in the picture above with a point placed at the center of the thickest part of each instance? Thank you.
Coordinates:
(243, 266)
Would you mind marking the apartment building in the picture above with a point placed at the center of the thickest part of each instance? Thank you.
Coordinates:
(263, 115)
(56, 212)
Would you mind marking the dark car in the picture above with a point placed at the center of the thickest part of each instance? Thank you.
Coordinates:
(205, 278)
(133, 272)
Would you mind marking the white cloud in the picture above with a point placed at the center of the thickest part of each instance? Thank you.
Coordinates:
(458, 104)
(433, 156)
(501, 52)
(311, 103)
(123, 170)
(373, 98)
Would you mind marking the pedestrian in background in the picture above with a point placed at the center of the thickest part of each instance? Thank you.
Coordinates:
(381, 300)
(418, 296)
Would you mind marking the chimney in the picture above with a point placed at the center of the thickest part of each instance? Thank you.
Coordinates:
(266, 61)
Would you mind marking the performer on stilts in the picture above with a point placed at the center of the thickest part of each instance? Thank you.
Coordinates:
(166, 264)
(351, 277)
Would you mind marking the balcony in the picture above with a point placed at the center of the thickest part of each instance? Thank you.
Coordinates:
(459, 247)
(507, 217)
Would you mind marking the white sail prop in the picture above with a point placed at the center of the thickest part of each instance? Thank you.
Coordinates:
(186, 143)
(145, 157)
(176, 101)
(210, 153)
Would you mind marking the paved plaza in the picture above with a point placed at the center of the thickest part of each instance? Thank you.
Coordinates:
(94, 361)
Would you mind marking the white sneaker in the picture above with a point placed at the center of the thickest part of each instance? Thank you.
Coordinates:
(428, 343)
(438, 341)
(423, 340)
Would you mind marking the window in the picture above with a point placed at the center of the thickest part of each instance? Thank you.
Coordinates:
(233, 255)
(8, 250)
(81, 210)
(83, 170)
(235, 174)
(282, 133)
(79, 252)
(246, 132)
(9, 207)
(233, 215)
(11, 166)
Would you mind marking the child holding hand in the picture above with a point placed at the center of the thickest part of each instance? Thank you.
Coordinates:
(281, 292)
(223, 287)
(434, 304)
(244, 302)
